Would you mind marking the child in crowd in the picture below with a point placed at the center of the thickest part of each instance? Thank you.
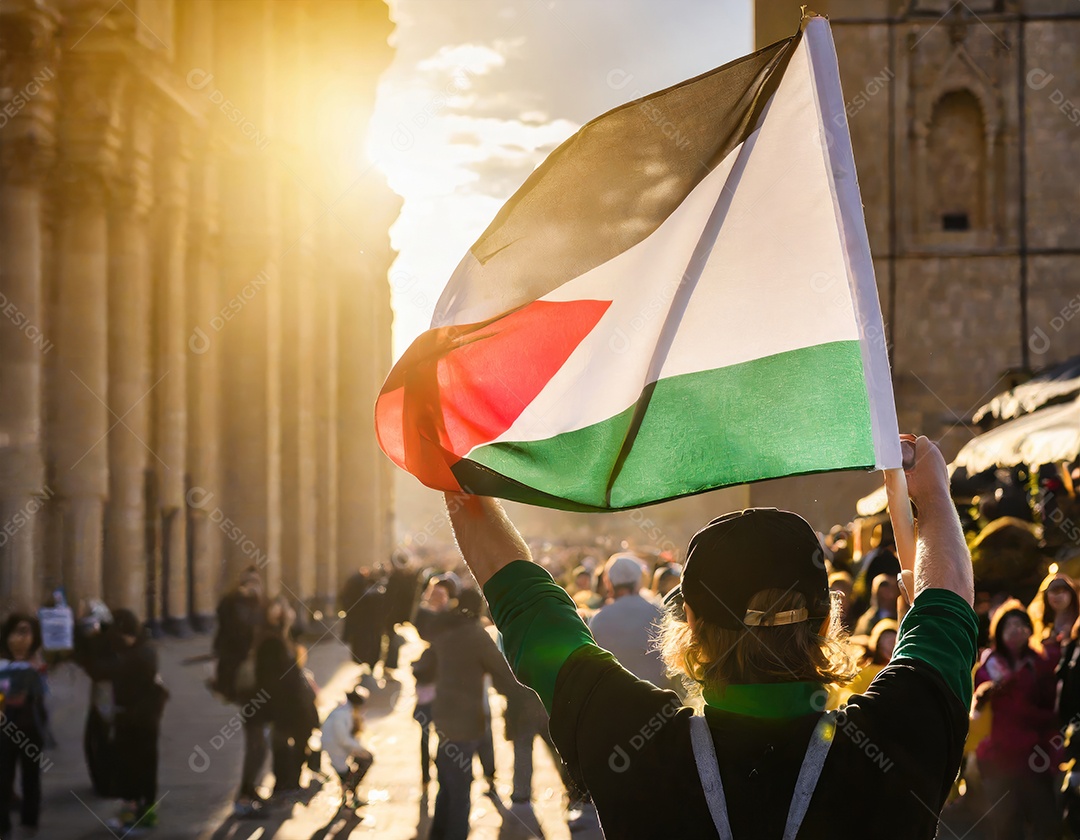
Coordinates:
(341, 741)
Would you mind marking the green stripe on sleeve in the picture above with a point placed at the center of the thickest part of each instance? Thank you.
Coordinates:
(941, 630)
(539, 623)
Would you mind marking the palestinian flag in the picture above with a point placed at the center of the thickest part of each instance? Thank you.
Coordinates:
(680, 298)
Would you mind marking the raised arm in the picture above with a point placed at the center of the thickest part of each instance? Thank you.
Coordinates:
(539, 621)
(487, 538)
(942, 559)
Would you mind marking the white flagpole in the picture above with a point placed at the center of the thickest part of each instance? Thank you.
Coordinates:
(903, 528)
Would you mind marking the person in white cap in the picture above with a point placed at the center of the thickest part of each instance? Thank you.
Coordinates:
(627, 625)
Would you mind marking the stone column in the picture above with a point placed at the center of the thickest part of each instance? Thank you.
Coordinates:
(78, 433)
(28, 67)
(326, 446)
(384, 208)
(194, 58)
(248, 325)
(170, 374)
(203, 390)
(358, 520)
(298, 471)
(129, 363)
(299, 173)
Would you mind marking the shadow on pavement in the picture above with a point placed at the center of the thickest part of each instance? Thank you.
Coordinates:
(269, 825)
(340, 825)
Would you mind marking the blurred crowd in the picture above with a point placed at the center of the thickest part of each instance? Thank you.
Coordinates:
(1023, 530)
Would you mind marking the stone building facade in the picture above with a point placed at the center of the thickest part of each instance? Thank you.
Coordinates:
(196, 318)
(965, 122)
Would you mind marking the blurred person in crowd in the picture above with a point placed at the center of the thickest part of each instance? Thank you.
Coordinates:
(584, 593)
(1009, 498)
(92, 645)
(239, 613)
(883, 604)
(348, 756)
(239, 616)
(752, 623)
(289, 698)
(839, 543)
(879, 651)
(665, 578)
(363, 600)
(1053, 611)
(526, 720)
(464, 653)
(880, 560)
(1019, 687)
(840, 582)
(401, 586)
(24, 718)
(440, 596)
(140, 697)
(627, 625)
(1068, 709)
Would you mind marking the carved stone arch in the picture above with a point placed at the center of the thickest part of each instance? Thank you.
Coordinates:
(957, 190)
(961, 72)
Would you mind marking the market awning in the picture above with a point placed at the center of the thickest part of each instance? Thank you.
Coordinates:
(1053, 385)
(1046, 436)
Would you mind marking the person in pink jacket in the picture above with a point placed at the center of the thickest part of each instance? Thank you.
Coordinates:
(1017, 760)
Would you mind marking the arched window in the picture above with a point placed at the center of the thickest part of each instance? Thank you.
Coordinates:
(956, 164)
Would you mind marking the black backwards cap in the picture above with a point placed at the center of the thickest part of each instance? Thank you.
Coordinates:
(742, 553)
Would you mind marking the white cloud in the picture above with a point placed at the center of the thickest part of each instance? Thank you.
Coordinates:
(481, 91)
(472, 59)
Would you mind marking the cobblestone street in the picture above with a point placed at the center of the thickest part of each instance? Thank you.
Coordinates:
(196, 792)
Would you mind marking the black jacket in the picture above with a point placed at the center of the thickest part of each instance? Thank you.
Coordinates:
(138, 691)
(287, 699)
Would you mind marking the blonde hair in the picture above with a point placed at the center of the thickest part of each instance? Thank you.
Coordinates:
(712, 657)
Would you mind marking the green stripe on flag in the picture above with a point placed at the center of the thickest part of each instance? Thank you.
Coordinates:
(802, 411)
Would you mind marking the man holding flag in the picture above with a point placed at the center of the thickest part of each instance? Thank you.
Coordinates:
(646, 320)
(753, 625)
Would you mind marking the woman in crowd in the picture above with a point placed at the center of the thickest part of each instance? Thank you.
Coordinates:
(1019, 687)
(139, 696)
(290, 705)
(92, 647)
(22, 735)
(1053, 612)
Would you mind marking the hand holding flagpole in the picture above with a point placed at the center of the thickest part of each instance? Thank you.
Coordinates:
(900, 513)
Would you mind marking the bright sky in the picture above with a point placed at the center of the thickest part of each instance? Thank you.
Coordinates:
(481, 91)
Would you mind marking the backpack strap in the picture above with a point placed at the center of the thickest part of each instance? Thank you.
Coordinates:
(709, 772)
(809, 773)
